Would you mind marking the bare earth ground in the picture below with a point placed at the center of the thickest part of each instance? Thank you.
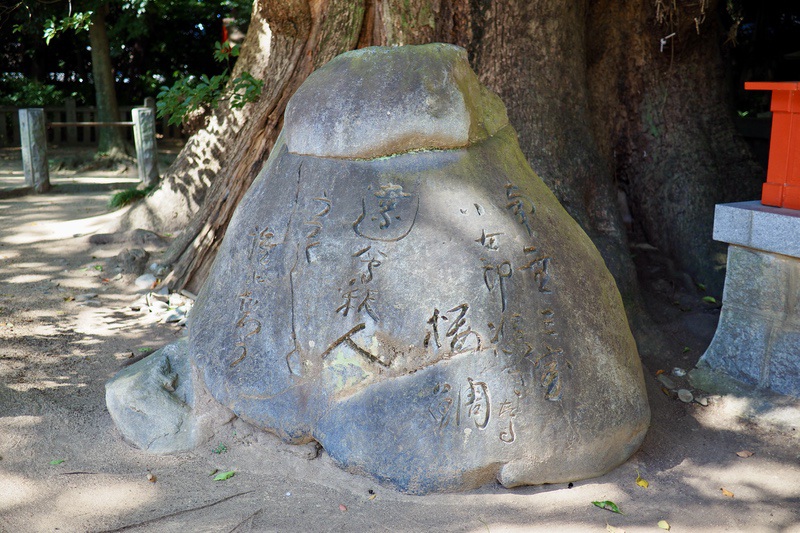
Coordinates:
(56, 353)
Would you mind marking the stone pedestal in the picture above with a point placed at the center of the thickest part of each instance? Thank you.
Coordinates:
(758, 337)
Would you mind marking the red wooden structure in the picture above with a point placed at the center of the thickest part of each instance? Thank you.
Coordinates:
(782, 188)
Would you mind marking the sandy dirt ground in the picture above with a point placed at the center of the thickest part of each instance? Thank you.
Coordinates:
(64, 466)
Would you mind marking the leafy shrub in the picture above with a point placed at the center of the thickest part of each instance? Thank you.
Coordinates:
(19, 91)
(190, 93)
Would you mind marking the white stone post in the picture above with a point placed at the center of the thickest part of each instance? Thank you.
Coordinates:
(34, 149)
(144, 137)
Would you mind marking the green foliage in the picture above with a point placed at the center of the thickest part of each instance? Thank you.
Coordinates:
(189, 93)
(77, 21)
(221, 448)
(128, 196)
(19, 91)
(149, 40)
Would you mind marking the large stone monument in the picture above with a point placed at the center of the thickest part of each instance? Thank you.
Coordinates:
(399, 286)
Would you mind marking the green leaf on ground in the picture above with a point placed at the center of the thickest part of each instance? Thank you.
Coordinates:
(686, 349)
(57, 461)
(222, 476)
(641, 481)
(608, 506)
(709, 299)
(663, 524)
(701, 286)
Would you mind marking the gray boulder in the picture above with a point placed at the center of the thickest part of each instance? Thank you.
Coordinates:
(399, 286)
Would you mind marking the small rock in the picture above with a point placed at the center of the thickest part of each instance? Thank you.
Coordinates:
(133, 261)
(678, 372)
(174, 315)
(685, 396)
(668, 383)
(144, 237)
(151, 478)
(702, 400)
(101, 238)
(162, 291)
(155, 296)
(176, 300)
(158, 306)
(145, 281)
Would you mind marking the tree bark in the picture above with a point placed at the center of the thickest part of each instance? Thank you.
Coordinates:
(111, 139)
(608, 121)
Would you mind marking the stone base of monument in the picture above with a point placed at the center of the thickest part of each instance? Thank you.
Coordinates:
(161, 405)
(758, 338)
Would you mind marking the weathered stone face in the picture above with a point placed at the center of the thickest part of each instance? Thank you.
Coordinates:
(435, 319)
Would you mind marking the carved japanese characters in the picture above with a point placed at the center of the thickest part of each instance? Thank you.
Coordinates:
(401, 287)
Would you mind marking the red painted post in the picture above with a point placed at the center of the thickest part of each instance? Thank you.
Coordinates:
(782, 188)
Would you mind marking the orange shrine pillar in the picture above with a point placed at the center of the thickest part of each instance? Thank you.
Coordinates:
(782, 188)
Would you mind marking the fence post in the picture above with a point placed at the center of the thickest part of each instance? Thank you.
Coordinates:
(144, 137)
(34, 149)
(72, 116)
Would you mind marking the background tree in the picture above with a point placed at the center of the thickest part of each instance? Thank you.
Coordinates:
(621, 107)
(134, 47)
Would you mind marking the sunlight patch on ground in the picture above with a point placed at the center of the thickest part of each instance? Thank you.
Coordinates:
(14, 491)
(37, 232)
(109, 498)
(18, 422)
(27, 278)
(31, 266)
(753, 480)
(41, 385)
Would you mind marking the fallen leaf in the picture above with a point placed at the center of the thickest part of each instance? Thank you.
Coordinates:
(663, 524)
(660, 371)
(744, 454)
(151, 478)
(686, 349)
(709, 299)
(702, 287)
(641, 482)
(342, 507)
(373, 496)
(727, 493)
(608, 506)
(614, 529)
(57, 461)
(224, 475)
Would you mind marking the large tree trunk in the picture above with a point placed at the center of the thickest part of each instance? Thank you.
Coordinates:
(601, 112)
(111, 139)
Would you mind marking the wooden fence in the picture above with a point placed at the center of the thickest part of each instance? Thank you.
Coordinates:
(76, 135)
